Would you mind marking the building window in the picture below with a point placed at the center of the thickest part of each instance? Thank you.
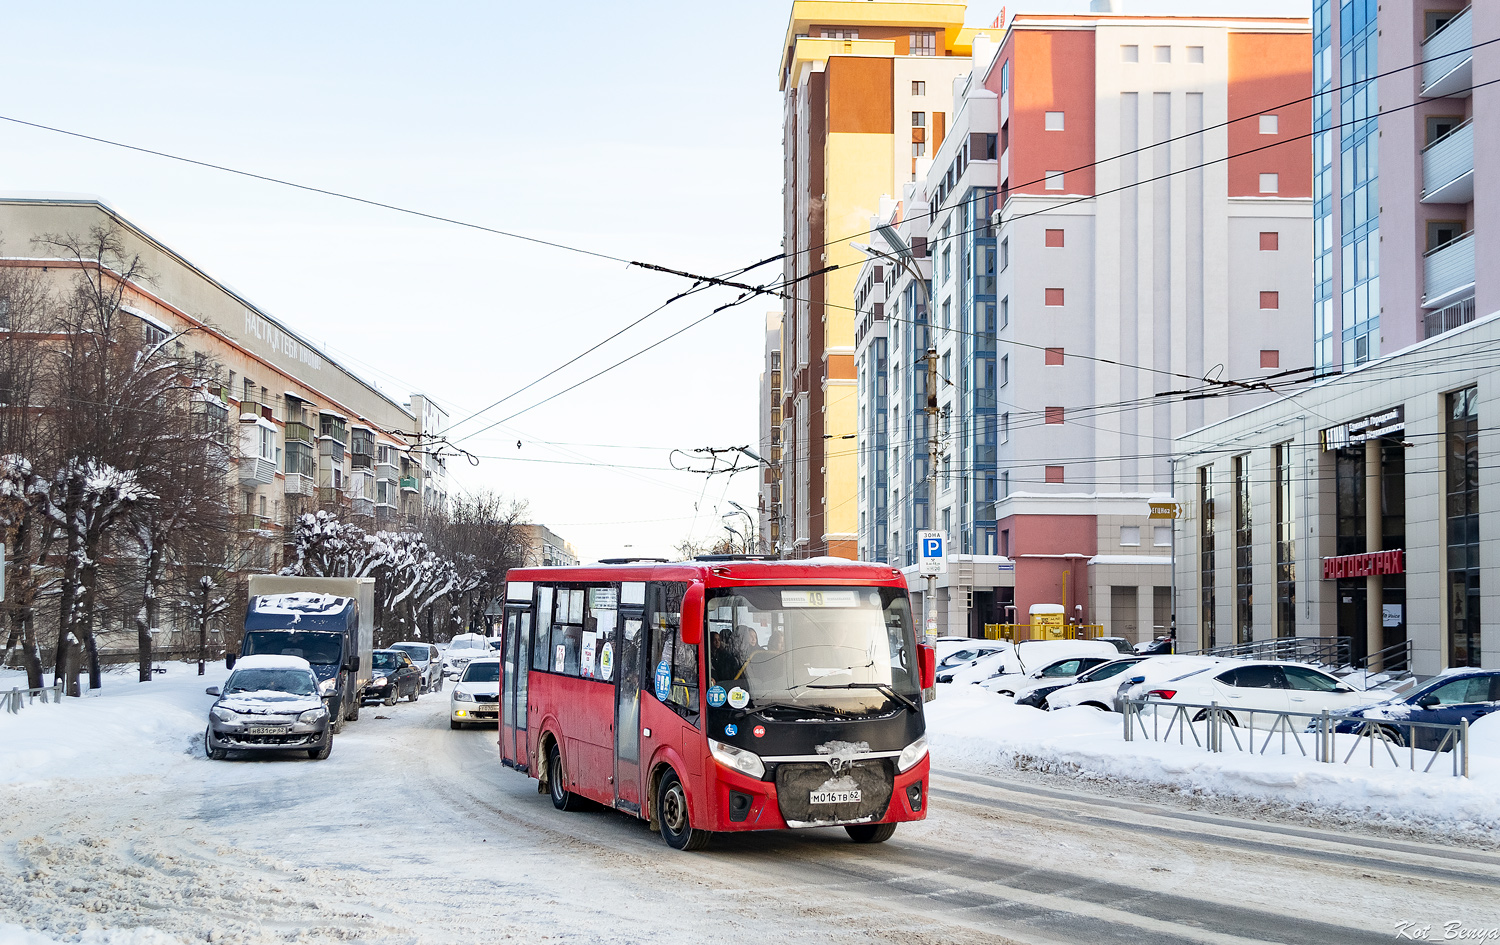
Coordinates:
(1054, 356)
(1130, 54)
(1053, 297)
(1270, 241)
(1005, 312)
(1244, 578)
(1005, 428)
(1286, 543)
(1053, 414)
(1053, 121)
(1053, 474)
(1442, 232)
(923, 43)
(919, 119)
(919, 149)
(1270, 183)
(1005, 542)
(1161, 536)
(1270, 358)
(1207, 602)
(1195, 54)
(1268, 124)
(1054, 238)
(1005, 484)
(1463, 527)
(1004, 254)
(919, 88)
(840, 34)
(947, 265)
(1130, 535)
(1053, 180)
(1005, 77)
(1270, 300)
(1162, 53)
(1004, 369)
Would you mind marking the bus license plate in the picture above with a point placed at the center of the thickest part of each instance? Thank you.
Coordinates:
(834, 797)
(265, 730)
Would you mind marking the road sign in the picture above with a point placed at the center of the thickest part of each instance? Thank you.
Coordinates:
(931, 552)
(1166, 510)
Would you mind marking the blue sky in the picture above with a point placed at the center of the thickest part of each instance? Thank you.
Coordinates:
(647, 131)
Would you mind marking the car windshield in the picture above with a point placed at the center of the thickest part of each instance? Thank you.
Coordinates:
(479, 644)
(385, 660)
(298, 682)
(313, 646)
(415, 652)
(782, 644)
(482, 672)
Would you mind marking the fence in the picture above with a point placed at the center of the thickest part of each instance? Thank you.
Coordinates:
(1023, 632)
(1324, 737)
(13, 700)
(1329, 651)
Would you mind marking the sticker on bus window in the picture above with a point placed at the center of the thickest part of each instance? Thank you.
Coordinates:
(819, 599)
(731, 729)
(716, 696)
(607, 661)
(559, 658)
(738, 698)
(663, 680)
(586, 661)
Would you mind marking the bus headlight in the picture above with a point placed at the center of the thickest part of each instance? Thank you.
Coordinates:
(912, 754)
(745, 762)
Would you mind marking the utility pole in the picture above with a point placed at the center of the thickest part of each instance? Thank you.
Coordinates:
(930, 596)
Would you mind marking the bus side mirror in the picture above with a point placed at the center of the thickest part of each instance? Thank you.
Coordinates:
(692, 615)
(927, 661)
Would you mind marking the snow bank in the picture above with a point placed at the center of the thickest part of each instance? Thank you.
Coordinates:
(127, 727)
(16, 935)
(972, 729)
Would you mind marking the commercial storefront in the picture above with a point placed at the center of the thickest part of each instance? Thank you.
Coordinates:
(1362, 506)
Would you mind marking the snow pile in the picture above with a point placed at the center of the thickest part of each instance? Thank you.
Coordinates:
(16, 935)
(128, 727)
(972, 729)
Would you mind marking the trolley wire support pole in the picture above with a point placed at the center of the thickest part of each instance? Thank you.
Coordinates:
(929, 597)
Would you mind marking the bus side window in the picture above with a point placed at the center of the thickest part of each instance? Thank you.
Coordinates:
(567, 631)
(663, 614)
(541, 652)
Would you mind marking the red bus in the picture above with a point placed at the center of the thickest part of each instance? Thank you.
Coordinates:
(721, 694)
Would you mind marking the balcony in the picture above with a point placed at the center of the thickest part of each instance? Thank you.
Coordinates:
(249, 522)
(332, 496)
(251, 408)
(387, 470)
(297, 432)
(255, 471)
(1448, 272)
(1448, 167)
(1448, 59)
(331, 448)
(1447, 318)
(299, 485)
(361, 461)
(365, 507)
(409, 484)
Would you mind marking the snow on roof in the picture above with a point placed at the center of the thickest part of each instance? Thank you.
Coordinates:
(272, 662)
(151, 320)
(300, 604)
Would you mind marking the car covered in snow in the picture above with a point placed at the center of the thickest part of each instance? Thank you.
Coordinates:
(1103, 693)
(268, 703)
(1028, 661)
(428, 659)
(1250, 691)
(1457, 695)
(967, 651)
(1035, 692)
(463, 648)
(476, 696)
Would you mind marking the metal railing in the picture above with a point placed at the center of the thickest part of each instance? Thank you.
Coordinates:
(1448, 318)
(1446, 161)
(1448, 270)
(13, 700)
(1329, 651)
(1446, 53)
(1025, 632)
(1215, 728)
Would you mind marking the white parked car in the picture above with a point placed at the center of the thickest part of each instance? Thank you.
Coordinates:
(1100, 693)
(428, 659)
(959, 651)
(1247, 685)
(461, 649)
(476, 696)
(1035, 691)
(976, 669)
(1063, 657)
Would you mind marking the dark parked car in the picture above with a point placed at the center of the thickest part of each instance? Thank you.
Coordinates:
(269, 703)
(1453, 697)
(393, 675)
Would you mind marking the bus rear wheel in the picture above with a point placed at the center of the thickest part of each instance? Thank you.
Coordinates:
(672, 813)
(870, 833)
(562, 798)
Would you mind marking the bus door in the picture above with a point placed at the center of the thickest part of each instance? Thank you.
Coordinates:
(627, 671)
(515, 668)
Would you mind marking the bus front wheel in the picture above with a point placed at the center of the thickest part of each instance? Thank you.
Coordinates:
(870, 833)
(672, 812)
(562, 798)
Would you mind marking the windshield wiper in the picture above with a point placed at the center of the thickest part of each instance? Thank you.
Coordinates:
(883, 687)
(821, 710)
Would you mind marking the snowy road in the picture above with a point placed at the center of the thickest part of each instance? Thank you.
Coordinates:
(411, 832)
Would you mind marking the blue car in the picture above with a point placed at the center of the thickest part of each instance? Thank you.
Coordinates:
(1447, 699)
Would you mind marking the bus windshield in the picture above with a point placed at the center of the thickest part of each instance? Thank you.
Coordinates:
(844, 649)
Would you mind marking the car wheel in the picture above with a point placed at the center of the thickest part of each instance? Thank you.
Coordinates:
(1387, 734)
(322, 751)
(870, 833)
(672, 813)
(562, 798)
(1228, 717)
(337, 724)
(214, 754)
(1007, 692)
(390, 699)
(353, 715)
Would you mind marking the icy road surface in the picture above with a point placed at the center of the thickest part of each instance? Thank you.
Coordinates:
(411, 832)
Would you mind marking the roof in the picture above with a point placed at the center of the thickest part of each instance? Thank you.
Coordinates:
(272, 662)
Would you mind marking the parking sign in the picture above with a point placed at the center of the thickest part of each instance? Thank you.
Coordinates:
(931, 553)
